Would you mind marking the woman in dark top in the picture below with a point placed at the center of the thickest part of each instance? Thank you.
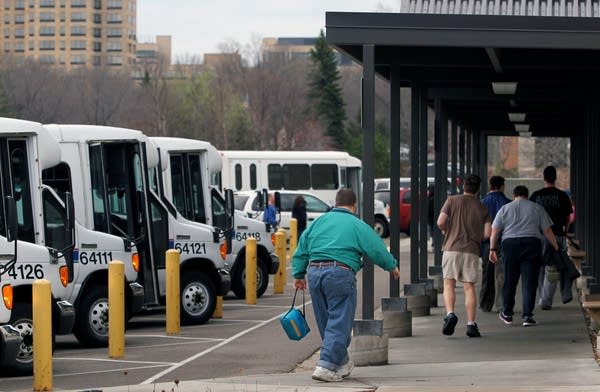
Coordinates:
(299, 213)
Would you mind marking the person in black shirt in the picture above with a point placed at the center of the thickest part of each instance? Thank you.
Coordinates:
(558, 205)
(299, 213)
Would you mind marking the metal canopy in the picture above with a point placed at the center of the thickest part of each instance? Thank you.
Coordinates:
(553, 60)
(451, 63)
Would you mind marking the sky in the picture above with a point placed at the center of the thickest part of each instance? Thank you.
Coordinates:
(202, 26)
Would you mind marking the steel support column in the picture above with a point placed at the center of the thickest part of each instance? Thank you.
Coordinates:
(414, 183)
(441, 174)
(395, 175)
(422, 190)
(454, 170)
(368, 172)
(461, 157)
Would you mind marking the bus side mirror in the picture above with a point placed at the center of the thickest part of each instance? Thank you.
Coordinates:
(70, 210)
(230, 213)
(11, 218)
(70, 230)
(265, 198)
(261, 201)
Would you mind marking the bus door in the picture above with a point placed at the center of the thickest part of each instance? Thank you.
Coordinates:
(119, 204)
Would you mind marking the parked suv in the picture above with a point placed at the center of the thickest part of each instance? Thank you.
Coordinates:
(405, 206)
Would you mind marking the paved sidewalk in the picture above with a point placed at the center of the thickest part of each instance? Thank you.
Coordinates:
(555, 355)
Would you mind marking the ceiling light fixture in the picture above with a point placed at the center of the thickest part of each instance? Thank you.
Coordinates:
(522, 127)
(516, 117)
(504, 88)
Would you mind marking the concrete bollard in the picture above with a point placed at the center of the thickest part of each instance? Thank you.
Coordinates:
(397, 319)
(116, 309)
(293, 235)
(281, 275)
(435, 272)
(369, 345)
(42, 335)
(173, 298)
(431, 292)
(218, 313)
(250, 267)
(418, 302)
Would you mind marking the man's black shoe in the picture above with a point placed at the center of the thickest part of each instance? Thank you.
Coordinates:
(473, 331)
(529, 322)
(449, 324)
(505, 319)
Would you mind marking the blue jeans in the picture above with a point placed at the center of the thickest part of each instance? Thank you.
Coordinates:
(522, 259)
(333, 295)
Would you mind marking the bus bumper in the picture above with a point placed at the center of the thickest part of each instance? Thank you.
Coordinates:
(274, 264)
(10, 341)
(64, 317)
(225, 283)
(136, 297)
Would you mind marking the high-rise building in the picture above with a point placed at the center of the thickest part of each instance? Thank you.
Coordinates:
(70, 33)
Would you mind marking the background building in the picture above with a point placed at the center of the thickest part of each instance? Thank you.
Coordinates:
(292, 48)
(70, 33)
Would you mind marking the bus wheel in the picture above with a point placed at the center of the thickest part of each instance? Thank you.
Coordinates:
(21, 318)
(91, 322)
(198, 298)
(239, 280)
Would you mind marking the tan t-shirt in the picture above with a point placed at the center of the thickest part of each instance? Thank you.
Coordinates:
(464, 228)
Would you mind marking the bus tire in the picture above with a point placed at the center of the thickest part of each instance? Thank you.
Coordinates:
(198, 298)
(238, 285)
(22, 319)
(91, 320)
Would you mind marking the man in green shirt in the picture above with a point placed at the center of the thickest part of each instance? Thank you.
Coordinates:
(329, 254)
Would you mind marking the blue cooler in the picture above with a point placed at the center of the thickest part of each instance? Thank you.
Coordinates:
(294, 322)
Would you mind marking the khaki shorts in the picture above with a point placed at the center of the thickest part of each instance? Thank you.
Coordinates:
(460, 266)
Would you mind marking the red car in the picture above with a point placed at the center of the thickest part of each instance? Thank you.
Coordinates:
(405, 207)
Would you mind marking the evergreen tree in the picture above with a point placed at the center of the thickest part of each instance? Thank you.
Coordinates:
(325, 95)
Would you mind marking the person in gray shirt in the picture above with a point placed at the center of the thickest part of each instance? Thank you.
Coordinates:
(522, 224)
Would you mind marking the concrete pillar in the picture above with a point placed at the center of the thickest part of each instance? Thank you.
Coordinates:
(369, 344)
(397, 319)
(417, 299)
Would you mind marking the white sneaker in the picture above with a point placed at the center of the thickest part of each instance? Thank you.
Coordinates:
(323, 374)
(346, 369)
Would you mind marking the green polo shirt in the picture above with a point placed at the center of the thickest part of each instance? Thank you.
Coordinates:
(340, 235)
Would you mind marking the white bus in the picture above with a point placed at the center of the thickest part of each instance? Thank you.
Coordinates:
(322, 173)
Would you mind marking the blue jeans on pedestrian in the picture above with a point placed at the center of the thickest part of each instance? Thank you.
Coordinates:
(522, 259)
(333, 295)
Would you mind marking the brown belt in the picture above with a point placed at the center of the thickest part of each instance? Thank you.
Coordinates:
(329, 263)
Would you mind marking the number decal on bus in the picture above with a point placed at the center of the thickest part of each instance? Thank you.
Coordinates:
(95, 257)
(26, 271)
(195, 248)
(242, 236)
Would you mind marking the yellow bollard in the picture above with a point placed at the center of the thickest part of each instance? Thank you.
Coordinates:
(218, 313)
(173, 300)
(293, 235)
(116, 309)
(280, 276)
(250, 268)
(42, 335)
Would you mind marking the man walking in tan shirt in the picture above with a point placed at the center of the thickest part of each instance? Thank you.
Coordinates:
(465, 222)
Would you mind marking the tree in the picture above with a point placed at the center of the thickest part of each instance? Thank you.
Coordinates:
(325, 95)
(5, 106)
